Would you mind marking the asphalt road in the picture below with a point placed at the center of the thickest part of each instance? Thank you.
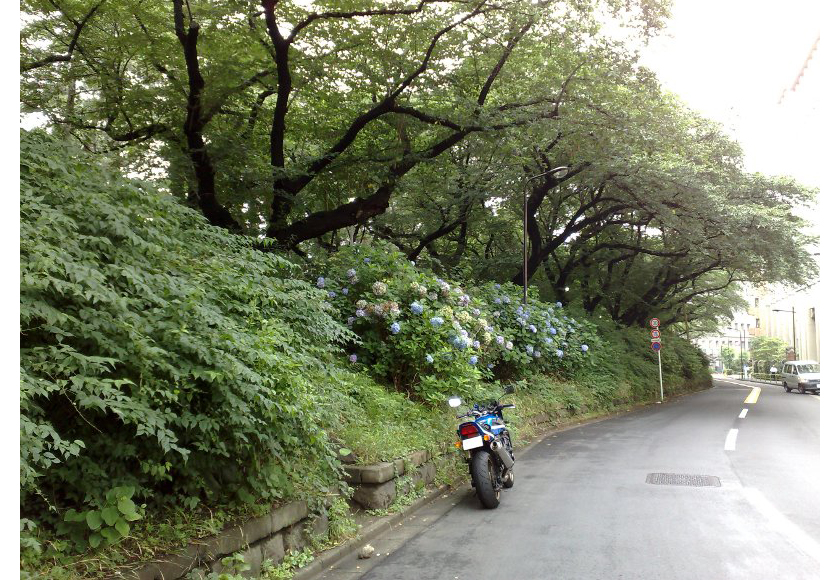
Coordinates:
(581, 507)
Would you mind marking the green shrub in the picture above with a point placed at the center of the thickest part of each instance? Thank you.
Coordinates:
(158, 352)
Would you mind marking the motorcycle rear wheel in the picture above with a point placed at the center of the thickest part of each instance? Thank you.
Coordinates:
(483, 472)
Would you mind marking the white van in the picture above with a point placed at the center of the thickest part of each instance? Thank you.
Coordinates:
(801, 374)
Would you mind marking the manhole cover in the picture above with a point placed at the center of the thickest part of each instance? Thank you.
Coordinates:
(683, 479)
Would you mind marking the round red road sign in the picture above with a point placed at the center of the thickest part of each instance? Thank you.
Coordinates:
(655, 334)
(654, 322)
(656, 345)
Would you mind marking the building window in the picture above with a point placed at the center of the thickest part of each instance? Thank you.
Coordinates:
(813, 313)
(758, 323)
(756, 300)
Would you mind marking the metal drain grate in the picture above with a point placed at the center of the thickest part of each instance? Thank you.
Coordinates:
(683, 479)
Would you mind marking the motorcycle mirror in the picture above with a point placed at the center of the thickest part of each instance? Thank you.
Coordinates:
(454, 401)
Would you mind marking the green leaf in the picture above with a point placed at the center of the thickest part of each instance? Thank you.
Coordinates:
(94, 540)
(122, 527)
(94, 519)
(111, 535)
(126, 506)
(110, 515)
(344, 452)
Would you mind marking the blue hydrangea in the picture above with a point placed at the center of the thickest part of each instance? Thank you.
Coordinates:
(506, 299)
(558, 304)
(490, 366)
(529, 349)
(537, 354)
(520, 310)
(532, 328)
(430, 359)
(476, 344)
(497, 286)
(473, 360)
(552, 330)
(500, 339)
(331, 294)
(351, 273)
(353, 358)
(460, 342)
(416, 308)
(548, 340)
(584, 347)
(395, 328)
(361, 313)
(367, 260)
(345, 291)
(436, 321)
(559, 353)
(321, 282)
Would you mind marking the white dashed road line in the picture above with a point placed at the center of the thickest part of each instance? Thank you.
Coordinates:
(743, 414)
(729, 445)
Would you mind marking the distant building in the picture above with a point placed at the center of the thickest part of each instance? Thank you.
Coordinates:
(736, 335)
(777, 310)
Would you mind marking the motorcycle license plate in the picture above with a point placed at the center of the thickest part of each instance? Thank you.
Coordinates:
(472, 443)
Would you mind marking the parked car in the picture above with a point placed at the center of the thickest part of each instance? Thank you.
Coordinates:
(803, 375)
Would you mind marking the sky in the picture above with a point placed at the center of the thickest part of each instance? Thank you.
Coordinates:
(731, 60)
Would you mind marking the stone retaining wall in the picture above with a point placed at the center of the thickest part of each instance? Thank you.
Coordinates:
(290, 527)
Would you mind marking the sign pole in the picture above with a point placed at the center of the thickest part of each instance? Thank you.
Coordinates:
(661, 390)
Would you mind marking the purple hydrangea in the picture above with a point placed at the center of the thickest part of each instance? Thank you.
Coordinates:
(497, 300)
(464, 300)
(500, 339)
(353, 358)
(366, 260)
(331, 294)
(436, 321)
(416, 308)
(321, 282)
(476, 311)
(361, 313)
(395, 328)
(473, 360)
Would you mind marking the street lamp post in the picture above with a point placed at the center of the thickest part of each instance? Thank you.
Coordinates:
(562, 170)
(793, 318)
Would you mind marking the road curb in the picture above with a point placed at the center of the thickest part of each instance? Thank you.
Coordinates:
(323, 561)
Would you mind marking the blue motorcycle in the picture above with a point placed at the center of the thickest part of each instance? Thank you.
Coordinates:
(485, 441)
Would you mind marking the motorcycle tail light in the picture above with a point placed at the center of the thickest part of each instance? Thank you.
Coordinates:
(468, 430)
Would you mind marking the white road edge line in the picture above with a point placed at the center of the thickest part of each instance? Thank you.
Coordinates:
(743, 414)
(729, 445)
(782, 524)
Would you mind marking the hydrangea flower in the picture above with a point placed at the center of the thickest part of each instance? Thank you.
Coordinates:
(321, 282)
(361, 313)
(552, 330)
(509, 345)
(506, 299)
(378, 309)
(331, 294)
(558, 304)
(476, 312)
(464, 300)
(353, 358)
(500, 339)
(395, 328)
(537, 354)
(457, 290)
(460, 342)
(497, 286)
(584, 347)
(476, 344)
(497, 300)
(366, 260)
(351, 320)
(520, 310)
(473, 360)
(345, 291)
(436, 321)
(433, 296)
(430, 359)
(490, 366)
(532, 328)
(379, 288)
(361, 303)
(559, 353)
(416, 308)
(547, 340)
(529, 349)
(496, 314)
(351, 273)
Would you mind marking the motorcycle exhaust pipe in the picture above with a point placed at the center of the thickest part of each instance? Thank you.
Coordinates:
(502, 454)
